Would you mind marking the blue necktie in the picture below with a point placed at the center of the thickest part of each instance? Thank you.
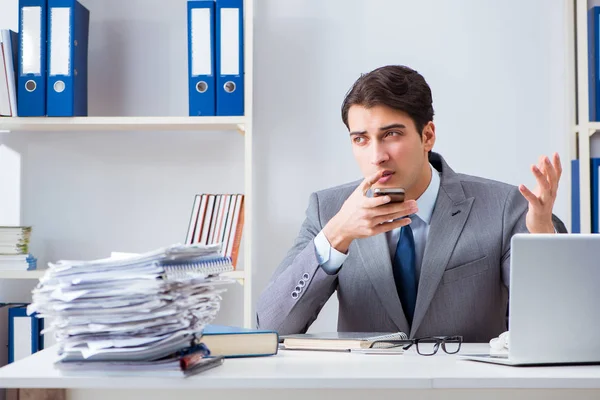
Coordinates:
(405, 275)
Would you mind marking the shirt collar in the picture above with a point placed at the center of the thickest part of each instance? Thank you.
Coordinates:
(426, 202)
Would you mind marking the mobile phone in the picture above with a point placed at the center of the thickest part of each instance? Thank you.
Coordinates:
(396, 194)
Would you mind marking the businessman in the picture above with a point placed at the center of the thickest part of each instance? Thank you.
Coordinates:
(435, 264)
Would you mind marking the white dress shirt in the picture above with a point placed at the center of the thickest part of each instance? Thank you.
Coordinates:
(331, 260)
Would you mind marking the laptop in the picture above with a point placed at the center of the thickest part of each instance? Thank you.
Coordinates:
(554, 298)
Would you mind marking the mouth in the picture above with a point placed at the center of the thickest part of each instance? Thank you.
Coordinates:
(386, 176)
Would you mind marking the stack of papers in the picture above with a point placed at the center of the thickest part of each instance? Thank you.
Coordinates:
(121, 311)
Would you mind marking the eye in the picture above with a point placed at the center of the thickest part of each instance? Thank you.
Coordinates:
(393, 133)
(358, 139)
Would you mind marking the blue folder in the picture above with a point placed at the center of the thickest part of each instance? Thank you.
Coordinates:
(594, 62)
(595, 203)
(18, 343)
(68, 32)
(575, 198)
(230, 57)
(201, 57)
(31, 89)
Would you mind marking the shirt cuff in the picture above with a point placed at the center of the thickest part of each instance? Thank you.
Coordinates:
(329, 258)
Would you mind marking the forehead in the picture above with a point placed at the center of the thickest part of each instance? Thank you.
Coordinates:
(370, 119)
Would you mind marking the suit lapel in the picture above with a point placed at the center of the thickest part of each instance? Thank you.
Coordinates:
(450, 214)
(375, 257)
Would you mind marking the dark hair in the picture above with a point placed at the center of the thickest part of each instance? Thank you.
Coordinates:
(394, 86)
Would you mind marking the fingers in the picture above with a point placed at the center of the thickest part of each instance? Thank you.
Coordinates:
(529, 196)
(382, 219)
(547, 174)
(557, 166)
(370, 181)
(373, 202)
(540, 177)
(394, 211)
(377, 201)
(388, 226)
(550, 173)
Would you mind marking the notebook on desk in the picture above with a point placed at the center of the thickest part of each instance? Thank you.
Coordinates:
(337, 341)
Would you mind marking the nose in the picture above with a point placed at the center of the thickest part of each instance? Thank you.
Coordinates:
(380, 154)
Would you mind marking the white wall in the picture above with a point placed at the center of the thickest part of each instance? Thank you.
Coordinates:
(497, 71)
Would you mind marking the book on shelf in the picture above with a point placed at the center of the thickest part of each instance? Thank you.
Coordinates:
(14, 240)
(217, 219)
(21, 262)
(14, 249)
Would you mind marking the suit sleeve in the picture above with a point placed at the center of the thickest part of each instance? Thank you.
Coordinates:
(515, 211)
(299, 288)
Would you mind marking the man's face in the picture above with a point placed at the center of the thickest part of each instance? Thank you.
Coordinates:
(387, 139)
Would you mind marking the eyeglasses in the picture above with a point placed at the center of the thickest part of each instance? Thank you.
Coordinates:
(426, 346)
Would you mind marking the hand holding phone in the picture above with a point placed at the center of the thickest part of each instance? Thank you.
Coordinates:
(361, 216)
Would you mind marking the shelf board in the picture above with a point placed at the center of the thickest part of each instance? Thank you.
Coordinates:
(55, 124)
(35, 274)
(595, 126)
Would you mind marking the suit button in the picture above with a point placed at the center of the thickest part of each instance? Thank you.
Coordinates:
(298, 289)
(305, 276)
(301, 283)
(295, 295)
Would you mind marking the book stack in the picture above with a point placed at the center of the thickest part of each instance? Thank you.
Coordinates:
(134, 314)
(218, 219)
(14, 249)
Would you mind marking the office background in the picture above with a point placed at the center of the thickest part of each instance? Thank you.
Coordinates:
(498, 72)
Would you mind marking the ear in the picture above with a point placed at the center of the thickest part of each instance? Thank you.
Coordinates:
(428, 136)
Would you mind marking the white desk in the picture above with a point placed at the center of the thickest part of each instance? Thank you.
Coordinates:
(321, 375)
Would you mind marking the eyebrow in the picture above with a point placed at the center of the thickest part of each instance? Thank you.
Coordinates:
(383, 128)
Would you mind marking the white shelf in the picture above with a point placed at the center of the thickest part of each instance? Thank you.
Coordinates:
(36, 274)
(122, 124)
(239, 276)
(593, 126)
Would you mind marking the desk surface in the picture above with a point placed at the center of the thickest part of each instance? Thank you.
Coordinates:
(318, 370)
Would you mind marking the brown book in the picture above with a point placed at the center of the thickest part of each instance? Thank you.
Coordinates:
(237, 229)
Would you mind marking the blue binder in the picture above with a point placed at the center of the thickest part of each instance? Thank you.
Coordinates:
(68, 31)
(594, 62)
(31, 91)
(230, 57)
(201, 57)
(19, 344)
(595, 203)
(575, 198)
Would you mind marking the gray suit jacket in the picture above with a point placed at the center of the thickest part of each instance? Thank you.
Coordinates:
(464, 274)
